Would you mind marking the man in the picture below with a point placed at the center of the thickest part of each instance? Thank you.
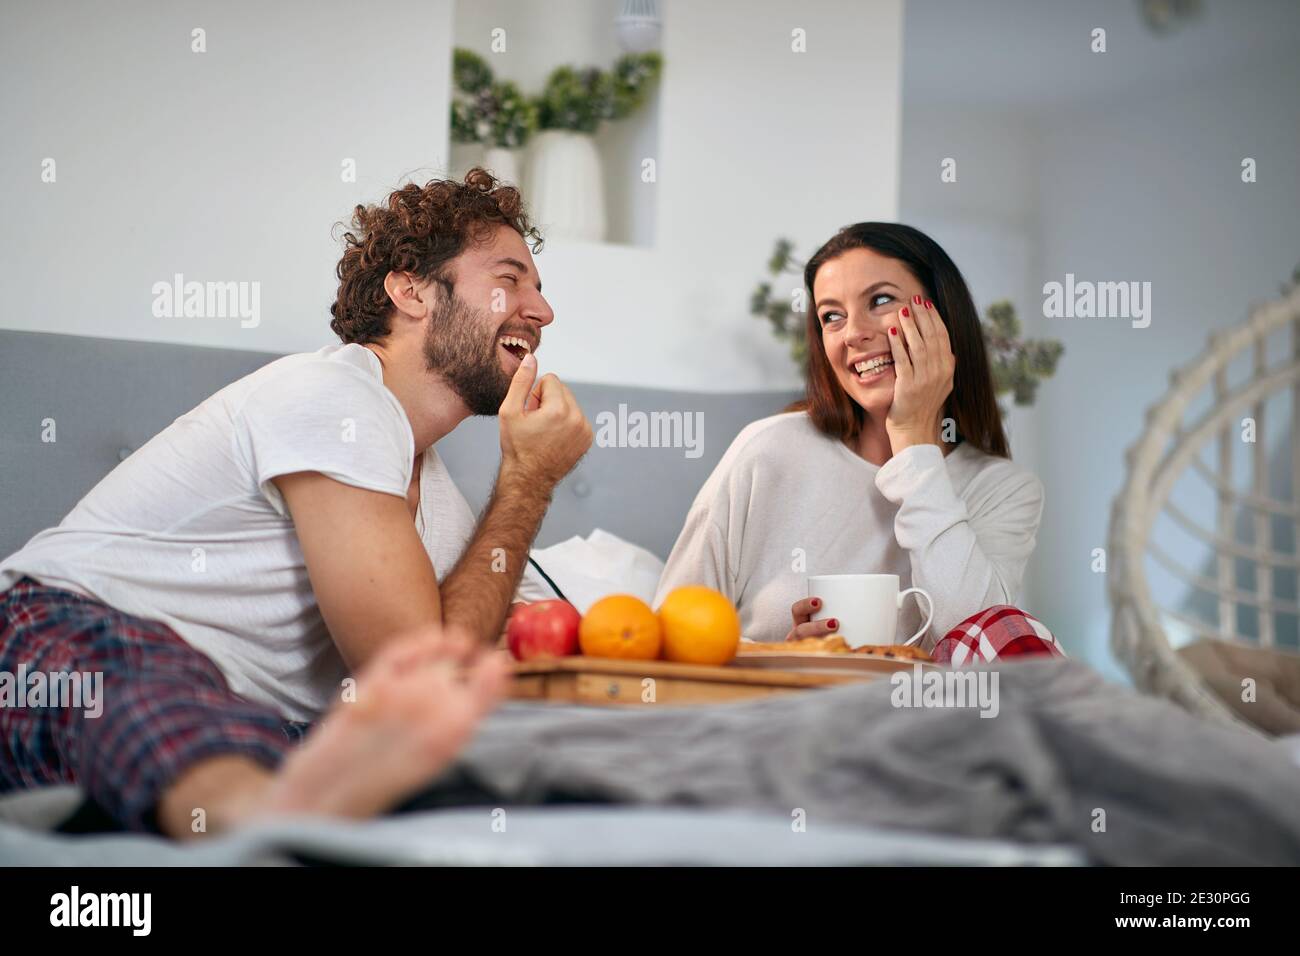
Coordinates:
(298, 527)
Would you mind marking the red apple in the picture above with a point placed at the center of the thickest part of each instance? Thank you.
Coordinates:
(543, 629)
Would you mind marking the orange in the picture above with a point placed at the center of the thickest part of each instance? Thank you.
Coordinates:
(700, 626)
(620, 626)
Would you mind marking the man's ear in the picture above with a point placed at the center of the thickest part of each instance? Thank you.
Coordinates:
(408, 294)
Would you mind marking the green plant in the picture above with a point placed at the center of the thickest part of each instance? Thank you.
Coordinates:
(630, 82)
(574, 100)
(496, 113)
(581, 99)
(514, 116)
(1018, 365)
(1292, 282)
(787, 323)
(470, 73)
(486, 111)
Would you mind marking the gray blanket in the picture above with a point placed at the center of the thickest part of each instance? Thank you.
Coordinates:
(835, 776)
(1069, 759)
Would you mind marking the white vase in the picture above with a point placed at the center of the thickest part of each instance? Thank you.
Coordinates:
(503, 164)
(566, 188)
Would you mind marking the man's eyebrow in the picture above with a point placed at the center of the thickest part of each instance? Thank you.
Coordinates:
(861, 295)
(516, 264)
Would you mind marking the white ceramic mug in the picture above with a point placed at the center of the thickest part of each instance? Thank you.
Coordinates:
(865, 606)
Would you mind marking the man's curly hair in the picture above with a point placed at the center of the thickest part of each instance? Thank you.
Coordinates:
(419, 229)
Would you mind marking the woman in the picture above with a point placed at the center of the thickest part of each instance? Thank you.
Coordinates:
(895, 463)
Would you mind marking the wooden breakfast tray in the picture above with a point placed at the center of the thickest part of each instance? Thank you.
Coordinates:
(606, 681)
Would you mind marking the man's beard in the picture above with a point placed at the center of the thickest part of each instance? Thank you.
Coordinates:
(457, 350)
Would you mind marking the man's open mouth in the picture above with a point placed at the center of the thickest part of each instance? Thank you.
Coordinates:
(515, 345)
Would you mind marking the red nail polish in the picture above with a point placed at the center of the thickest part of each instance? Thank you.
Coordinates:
(916, 299)
(905, 312)
(833, 624)
(893, 330)
(929, 304)
(816, 603)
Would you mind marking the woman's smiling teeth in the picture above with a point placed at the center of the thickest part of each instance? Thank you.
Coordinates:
(873, 366)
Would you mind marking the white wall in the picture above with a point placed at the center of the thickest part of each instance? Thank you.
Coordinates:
(756, 142)
(540, 36)
(1141, 186)
(225, 166)
(222, 166)
(1149, 188)
(987, 220)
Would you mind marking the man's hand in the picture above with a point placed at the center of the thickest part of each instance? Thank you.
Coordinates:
(543, 431)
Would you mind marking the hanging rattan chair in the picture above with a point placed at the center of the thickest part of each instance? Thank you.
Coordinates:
(1204, 410)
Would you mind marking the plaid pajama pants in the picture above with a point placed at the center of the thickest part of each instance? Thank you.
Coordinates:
(994, 633)
(164, 707)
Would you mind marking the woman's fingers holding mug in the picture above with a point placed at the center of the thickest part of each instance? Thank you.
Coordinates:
(813, 629)
(802, 611)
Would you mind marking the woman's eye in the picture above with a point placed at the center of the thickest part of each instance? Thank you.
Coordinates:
(880, 298)
(829, 317)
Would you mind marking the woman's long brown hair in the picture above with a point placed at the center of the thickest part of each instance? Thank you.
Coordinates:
(972, 404)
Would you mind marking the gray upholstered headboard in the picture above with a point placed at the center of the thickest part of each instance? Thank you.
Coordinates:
(107, 397)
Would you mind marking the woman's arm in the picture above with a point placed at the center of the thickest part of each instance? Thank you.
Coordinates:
(705, 552)
(698, 557)
(966, 561)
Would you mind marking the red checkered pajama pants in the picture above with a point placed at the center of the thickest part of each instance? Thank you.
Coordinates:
(164, 707)
(996, 632)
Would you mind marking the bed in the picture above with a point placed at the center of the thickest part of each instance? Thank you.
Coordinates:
(1073, 771)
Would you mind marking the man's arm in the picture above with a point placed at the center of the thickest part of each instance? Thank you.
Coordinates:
(370, 573)
(476, 594)
(368, 568)
(537, 451)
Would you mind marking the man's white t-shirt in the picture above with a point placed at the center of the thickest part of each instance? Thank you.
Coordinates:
(190, 530)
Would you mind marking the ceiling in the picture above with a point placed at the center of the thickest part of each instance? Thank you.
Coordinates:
(1035, 54)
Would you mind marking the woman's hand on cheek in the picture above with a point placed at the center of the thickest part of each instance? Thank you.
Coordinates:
(923, 374)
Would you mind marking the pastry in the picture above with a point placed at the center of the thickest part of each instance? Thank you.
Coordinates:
(835, 644)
